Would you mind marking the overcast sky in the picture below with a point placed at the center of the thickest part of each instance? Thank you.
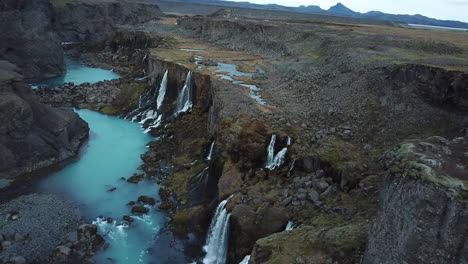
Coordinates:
(441, 9)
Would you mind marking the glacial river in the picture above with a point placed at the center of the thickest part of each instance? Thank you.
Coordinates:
(111, 154)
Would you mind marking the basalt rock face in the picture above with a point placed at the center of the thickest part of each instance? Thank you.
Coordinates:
(27, 39)
(260, 38)
(424, 214)
(32, 135)
(445, 88)
(95, 21)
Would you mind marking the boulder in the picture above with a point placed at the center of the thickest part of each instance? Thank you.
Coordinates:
(139, 210)
(64, 250)
(18, 260)
(249, 225)
(147, 200)
(86, 231)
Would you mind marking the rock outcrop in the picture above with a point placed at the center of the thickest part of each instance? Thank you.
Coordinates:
(424, 215)
(435, 85)
(95, 21)
(27, 39)
(311, 245)
(32, 135)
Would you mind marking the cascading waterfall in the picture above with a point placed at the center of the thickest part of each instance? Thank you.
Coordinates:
(162, 91)
(216, 245)
(245, 260)
(156, 123)
(279, 159)
(210, 154)
(184, 100)
(275, 161)
(290, 226)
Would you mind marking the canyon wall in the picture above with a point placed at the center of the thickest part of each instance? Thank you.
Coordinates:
(423, 215)
(27, 38)
(95, 21)
(33, 135)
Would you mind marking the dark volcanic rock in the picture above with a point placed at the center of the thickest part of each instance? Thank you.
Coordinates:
(95, 21)
(32, 135)
(26, 39)
(435, 85)
(139, 210)
(424, 214)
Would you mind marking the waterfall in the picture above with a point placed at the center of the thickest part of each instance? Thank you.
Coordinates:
(184, 100)
(290, 226)
(291, 168)
(210, 154)
(147, 115)
(162, 91)
(279, 159)
(198, 187)
(275, 161)
(156, 123)
(216, 245)
(271, 152)
(245, 260)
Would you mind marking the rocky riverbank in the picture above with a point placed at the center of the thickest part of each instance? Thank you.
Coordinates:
(29, 235)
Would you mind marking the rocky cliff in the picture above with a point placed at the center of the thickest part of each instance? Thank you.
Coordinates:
(84, 20)
(27, 39)
(424, 215)
(32, 135)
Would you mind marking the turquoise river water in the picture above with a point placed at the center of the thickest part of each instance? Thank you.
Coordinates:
(112, 152)
(77, 73)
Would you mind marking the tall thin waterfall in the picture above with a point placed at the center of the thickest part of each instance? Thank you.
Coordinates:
(271, 152)
(210, 154)
(245, 260)
(162, 91)
(217, 239)
(184, 100)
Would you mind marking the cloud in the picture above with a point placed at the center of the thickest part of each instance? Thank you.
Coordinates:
(458, 2)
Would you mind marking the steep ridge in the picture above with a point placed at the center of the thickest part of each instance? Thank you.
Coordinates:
(95, 21)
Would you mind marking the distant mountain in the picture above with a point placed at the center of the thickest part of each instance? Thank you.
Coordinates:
(310, 8)
(339, 10)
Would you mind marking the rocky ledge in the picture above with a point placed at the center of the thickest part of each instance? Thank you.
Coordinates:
(424, 215)
(33, 135)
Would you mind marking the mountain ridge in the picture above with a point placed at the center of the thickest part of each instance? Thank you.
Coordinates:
(339, 10)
